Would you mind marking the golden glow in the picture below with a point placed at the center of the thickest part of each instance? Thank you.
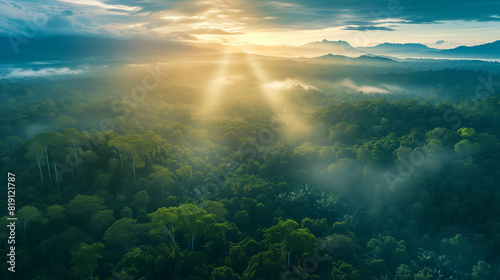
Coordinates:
(262, 79)
(215, 87)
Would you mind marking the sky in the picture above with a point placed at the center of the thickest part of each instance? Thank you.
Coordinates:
(436, 23)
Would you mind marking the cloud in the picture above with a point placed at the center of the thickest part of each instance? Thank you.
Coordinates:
(158, 18)
(60, 21)
(67, 13)
(182, 36)
(366, 28)
(19, 73)
(440, 42)
(213, 31)
(102, 5)
(363, 88)
(288, 84)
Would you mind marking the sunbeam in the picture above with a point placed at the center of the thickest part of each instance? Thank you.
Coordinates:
(215, 87)
(282, 110)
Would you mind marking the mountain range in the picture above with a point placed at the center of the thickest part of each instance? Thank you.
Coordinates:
(486, 51)
(78, 49)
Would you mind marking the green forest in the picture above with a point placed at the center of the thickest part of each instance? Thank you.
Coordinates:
(120, 184)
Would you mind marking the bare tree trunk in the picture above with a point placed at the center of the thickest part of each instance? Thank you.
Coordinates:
(46, 145)
(74, 148)
(24, 228)
(192, 242)
(120, 155)
(57, 179)
(39, 167)
(132, 161)
(289, 252)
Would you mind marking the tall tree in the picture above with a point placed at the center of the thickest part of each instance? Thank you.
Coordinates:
(155, 140)
(84, 205)
(35, 151)
(162, 176)
(195, 222)
(44, 140)
(73, 137)
(13, 141)
(84, 260)
(291, 238)
(166, 221)
(185, 173)
(28, 214)
(123, 231)
(135, 147)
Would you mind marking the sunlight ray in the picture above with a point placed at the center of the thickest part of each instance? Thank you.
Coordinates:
(283, 112)
(262, 79)
(215, 87)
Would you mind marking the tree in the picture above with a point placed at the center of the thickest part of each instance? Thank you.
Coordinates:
(134, 146)
(162, 176)
(266, 265)
(103, 181)
(126, 212)
(291, 238)
(165, 221)
(56, 212)
(123, 231)
(185, 172)
(84, 260)
(28, 214)
(84, 205)
(467, 132)
(216, 208)
(64, 122)
(141, 200)
(223, 273)
(403, 272)
(465, 149)
(482, 271)
(89, 158)
(35, 151)
(195, 221)
(344, 271)
(102, 220)
(160, 264)
(242, 219)
(44, 140)
(13, 141)
(155, 139)
(73, 136)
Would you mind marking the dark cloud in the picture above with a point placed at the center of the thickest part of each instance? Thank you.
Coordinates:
(440, 42)
(248, 15)
(67, 13)
(409, 10)
(59, 22)
(366, 28)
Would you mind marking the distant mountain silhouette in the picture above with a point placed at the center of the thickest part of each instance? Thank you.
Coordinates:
(88, 49)
(361, 59)
(401, 50)
(77, 48)
(375, 58)
(330, 47)
(490, 50)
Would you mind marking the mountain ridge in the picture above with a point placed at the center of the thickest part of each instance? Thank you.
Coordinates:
(80, 48)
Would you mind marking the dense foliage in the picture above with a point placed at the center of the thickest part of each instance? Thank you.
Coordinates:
(375, 188)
